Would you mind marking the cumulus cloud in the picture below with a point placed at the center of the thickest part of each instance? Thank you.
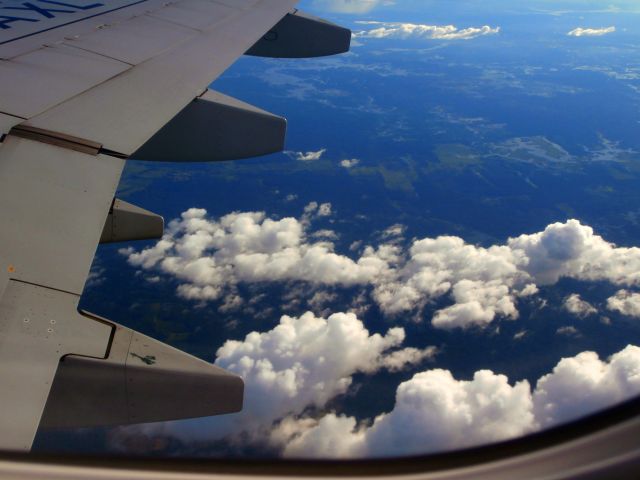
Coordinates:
(478, 278)
(433, 32)
(305, 362)
(578, 307)
(528, 290)
(435, 411)
(591, 32)
(625, 302)
(573, 250)
(349, 163)
(350, 6)
(476, 303)
(209, 257)
(484, 281)
(407, 357)
(306, 156)
(332, 436)
(584, 384)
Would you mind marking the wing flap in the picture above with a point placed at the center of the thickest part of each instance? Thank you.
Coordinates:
(54, 205)
(37, 327)
(142, 380)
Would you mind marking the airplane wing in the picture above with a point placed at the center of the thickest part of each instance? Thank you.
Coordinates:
(85, 85)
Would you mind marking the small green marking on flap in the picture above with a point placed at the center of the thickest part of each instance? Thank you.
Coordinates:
(148, 359)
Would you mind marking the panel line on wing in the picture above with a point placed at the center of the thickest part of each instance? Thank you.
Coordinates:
(11, 115)
(71, 22)
(98, 53)
(26, 282)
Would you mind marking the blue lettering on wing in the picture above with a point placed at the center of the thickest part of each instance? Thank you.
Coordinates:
(72, 5)
(45, 12)
(38, 12)
(6, 21)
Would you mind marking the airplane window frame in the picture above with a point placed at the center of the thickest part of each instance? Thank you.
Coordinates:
(572, 450)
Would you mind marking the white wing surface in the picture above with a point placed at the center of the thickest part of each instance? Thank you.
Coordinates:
(85, 85)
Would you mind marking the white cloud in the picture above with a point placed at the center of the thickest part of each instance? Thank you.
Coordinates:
(435, 412)
(433, 32)
(401, 359)
(306, 156)
(315, 210)
(584, 384)
(305, 362)
(434, 268)
(528, 290)
(476, 303)
(350, 6)
(96, 275)
(324, 210)
(209, 257)
(571, 249)
(484, 281)
(625, 302)
(231, 303)
(332, 436)
(568, 331)
(591, 32)
(520, 335)
(578, 307)
(311, 208)
(320, 298)
(325, 234)
(349, 162)
(396, 230)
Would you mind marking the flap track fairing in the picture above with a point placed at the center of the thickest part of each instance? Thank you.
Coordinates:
(300, 35)
(215, 127)
(128, 222)
(142, 380)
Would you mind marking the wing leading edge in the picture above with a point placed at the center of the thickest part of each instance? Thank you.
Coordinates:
(87, 85)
